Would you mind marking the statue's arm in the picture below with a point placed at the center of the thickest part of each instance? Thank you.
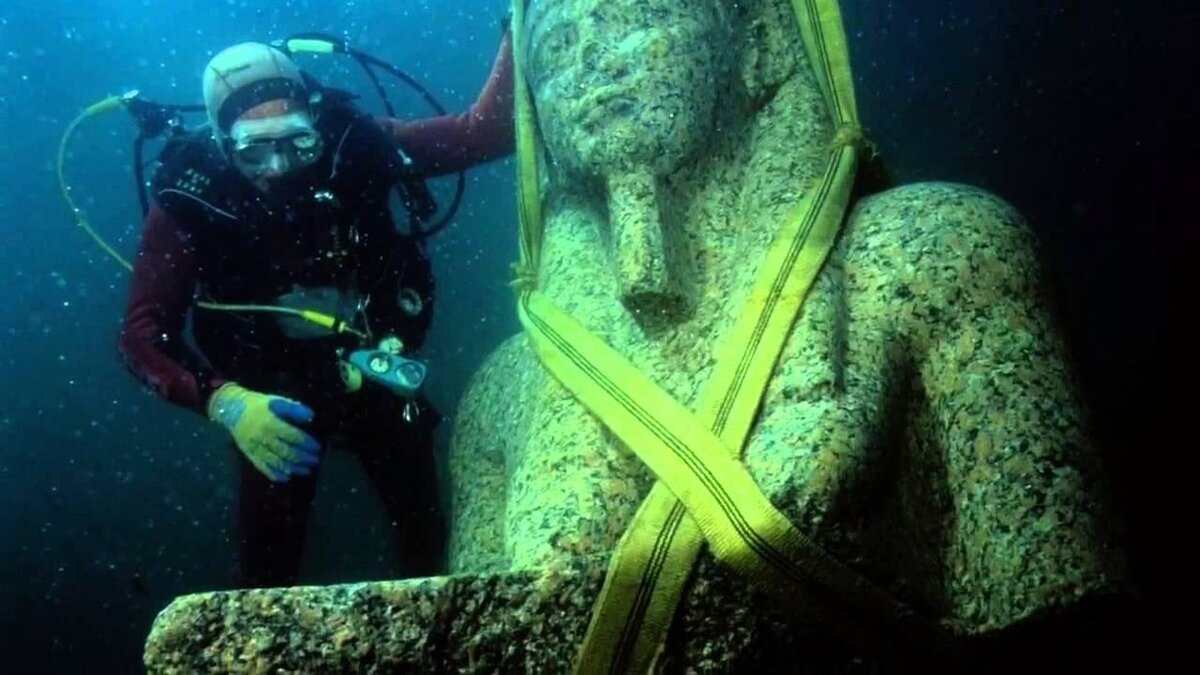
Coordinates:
(1029, 551)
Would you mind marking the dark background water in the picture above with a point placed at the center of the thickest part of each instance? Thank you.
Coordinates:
(112, 503)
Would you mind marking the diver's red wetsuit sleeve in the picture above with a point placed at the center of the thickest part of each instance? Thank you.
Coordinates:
(451, 143)
(151, 340)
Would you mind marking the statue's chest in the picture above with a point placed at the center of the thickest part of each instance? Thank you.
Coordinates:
(820, 436)
(820, 440)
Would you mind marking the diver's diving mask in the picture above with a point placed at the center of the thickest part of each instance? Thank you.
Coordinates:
(276, 145)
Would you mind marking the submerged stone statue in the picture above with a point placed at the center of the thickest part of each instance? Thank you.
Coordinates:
(922, 424)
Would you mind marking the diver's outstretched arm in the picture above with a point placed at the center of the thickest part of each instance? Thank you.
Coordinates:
(452, 143)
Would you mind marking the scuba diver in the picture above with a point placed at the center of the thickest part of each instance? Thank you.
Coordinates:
(282, 201)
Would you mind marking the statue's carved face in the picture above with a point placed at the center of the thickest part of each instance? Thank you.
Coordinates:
(623, 83)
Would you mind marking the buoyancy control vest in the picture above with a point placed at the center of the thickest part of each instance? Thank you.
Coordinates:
(327, 235)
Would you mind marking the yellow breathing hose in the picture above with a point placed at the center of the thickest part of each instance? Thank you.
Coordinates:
(113, 103)
(110, 103)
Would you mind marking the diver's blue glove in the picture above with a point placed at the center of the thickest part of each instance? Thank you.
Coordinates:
(262, 425)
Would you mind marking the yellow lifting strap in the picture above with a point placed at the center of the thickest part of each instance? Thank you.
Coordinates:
(704, 492)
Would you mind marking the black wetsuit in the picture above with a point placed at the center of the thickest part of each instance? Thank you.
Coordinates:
(329, 227)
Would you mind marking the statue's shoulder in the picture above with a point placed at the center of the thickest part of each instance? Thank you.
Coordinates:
(939, 245)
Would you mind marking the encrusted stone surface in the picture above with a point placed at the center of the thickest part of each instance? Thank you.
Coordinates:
(459, 624)
(517, 622)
